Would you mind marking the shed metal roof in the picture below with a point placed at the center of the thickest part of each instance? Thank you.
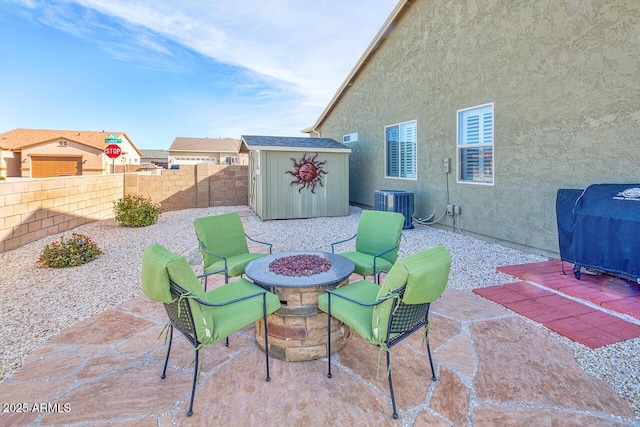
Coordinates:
(205, 145)
(289, 143)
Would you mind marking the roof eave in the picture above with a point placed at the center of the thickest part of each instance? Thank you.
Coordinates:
(132, 144)
(291, 148)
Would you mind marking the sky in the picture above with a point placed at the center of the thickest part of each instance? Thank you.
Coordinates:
(161, 69)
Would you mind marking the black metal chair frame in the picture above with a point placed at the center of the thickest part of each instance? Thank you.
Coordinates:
(181, 318)
(376, 276)
(404, 320)
(225, 270)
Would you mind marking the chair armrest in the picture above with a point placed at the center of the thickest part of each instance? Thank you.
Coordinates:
(379, 255)
(355, 301)
(258, 241)
(342, 241)
(205, 275)
(380, 272)
(203, 247)
(184, 292)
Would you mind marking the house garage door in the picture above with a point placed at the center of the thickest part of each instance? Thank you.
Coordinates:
(43, 167)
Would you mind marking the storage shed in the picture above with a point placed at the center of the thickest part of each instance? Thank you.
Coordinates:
(297, 177)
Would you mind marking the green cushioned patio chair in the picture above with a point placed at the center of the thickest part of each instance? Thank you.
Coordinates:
(385, 315)
(377, 242)
(223, 244)
(202, 317)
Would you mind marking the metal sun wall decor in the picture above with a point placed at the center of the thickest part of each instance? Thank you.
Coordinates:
(308, 172)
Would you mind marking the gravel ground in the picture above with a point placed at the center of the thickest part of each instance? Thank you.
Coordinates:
(38, 302)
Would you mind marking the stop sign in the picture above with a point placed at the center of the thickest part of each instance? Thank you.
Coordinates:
(112, 151)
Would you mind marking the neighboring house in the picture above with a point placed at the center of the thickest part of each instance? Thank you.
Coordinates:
(155, 157)
(217, 151)
(492, 107)
(42, 153)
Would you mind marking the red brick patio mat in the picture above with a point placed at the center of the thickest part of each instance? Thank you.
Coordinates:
(586, 324)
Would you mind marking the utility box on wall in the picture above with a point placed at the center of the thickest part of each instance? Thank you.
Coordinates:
(292, 177)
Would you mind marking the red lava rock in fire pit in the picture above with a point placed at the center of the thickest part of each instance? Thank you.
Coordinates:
(300, 265)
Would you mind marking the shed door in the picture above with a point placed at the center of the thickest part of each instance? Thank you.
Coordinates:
(44, 167)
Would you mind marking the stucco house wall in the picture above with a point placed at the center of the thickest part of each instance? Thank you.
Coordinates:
(22, 149)
(9, 163)
(130, 156)
(564, 79)
(195, 157)
(91, 157)
(193, 151)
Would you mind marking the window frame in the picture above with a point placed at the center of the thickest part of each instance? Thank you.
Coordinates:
(400, 154)
(350, 137)
(460, 146)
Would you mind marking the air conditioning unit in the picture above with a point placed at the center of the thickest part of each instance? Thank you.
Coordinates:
(395, 201)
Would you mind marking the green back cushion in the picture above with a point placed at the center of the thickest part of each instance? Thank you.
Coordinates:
(159, 265)
(379, 231)
(425, 273)
(222, 234)
(155, 279)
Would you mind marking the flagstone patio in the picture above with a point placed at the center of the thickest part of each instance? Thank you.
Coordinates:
(494, 368)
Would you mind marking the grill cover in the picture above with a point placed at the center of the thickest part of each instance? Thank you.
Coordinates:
(599, 228)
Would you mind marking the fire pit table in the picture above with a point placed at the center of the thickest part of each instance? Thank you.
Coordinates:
(298, 330)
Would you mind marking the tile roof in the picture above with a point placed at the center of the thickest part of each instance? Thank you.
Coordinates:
(154, 154)
(253, 141)
(20, 138)
(229, 145)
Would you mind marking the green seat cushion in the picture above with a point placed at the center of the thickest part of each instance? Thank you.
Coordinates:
(425, 273)
(222, 234)
(364, 263)
(235, 264)
(212, 323)
(357, 317)
(233, 317)
(379, 231)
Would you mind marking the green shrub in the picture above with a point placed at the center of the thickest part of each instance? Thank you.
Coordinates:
(78, 250)
(136, 211)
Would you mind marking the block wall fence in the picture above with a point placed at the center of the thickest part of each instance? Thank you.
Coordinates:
(31, 209)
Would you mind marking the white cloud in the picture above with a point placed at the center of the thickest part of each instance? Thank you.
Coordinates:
(282, 60)
(311, 45)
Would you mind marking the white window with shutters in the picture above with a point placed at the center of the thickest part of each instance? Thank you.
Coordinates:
(400, 150)
(475, 145)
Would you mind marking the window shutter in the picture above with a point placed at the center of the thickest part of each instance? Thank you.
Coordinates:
(487, 127)
(470, 164)
(408, 150)
(472, 129)
(392, 152)
(476, 130)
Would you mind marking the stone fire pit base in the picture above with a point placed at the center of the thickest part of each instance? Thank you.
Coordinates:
(298, 330)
